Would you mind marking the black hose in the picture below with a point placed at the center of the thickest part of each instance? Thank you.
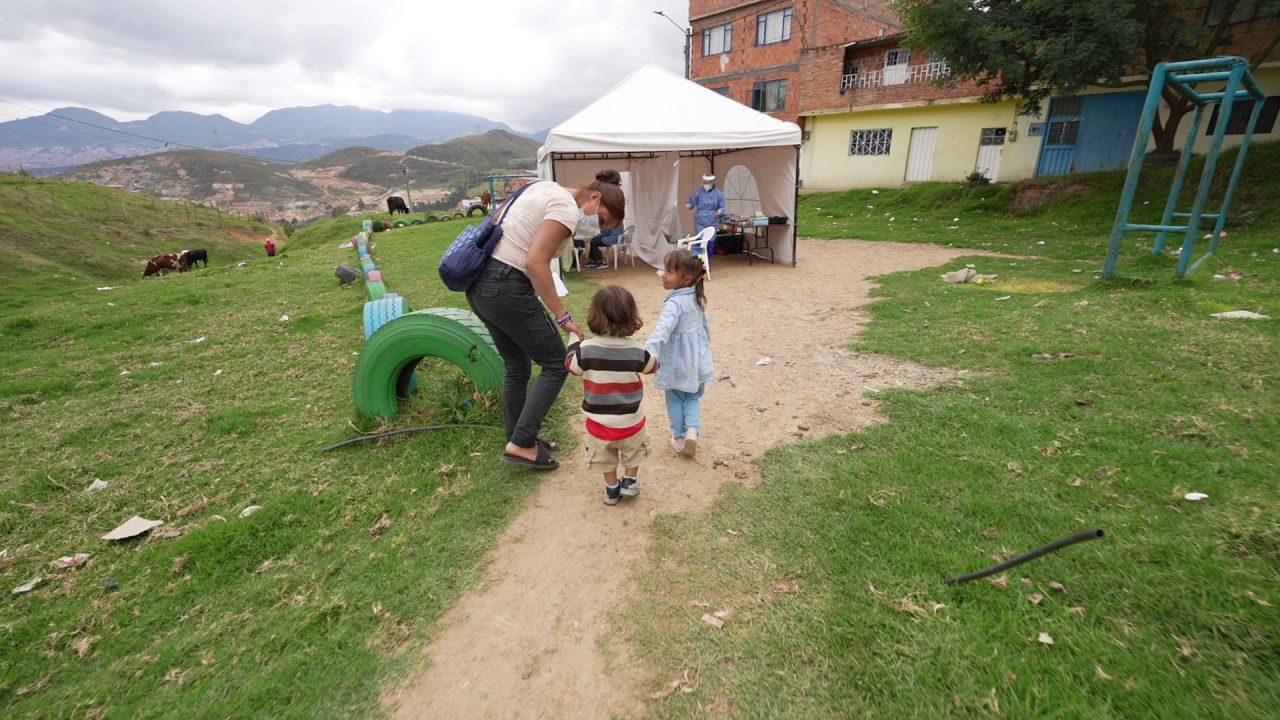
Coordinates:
(403, 431)
(1044, 550)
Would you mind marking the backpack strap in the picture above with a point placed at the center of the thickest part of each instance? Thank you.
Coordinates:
(506, 205)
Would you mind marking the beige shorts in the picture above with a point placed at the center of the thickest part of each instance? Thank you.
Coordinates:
(609, 454)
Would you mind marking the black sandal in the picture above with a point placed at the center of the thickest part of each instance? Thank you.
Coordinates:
(550, 445)
(544, 461)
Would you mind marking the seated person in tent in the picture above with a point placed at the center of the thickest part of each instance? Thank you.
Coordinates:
(606, 238)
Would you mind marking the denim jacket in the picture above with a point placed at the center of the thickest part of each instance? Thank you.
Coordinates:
(682, 344)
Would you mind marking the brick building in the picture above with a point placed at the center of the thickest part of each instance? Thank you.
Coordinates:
(873, 115)
(751, 51)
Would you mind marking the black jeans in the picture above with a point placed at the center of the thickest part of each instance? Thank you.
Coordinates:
(595, 254)
(524, 333)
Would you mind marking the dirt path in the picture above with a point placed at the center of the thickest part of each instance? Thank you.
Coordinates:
(526, 644)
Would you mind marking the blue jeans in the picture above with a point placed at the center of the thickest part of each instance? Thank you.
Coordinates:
(524, 334)
(683, 410)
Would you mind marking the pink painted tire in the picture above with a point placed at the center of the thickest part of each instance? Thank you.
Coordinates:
(373, 275)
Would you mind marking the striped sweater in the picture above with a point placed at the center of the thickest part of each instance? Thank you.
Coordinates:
(611, 387)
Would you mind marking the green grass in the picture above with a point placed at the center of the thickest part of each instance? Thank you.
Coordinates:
(294, 611)
(65, 237)
(832, 567)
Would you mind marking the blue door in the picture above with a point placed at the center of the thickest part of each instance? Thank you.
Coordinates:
(1090, 133)
(1058, 152)
(1106, 136)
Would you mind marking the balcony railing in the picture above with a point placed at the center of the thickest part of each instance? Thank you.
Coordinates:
(895, 75)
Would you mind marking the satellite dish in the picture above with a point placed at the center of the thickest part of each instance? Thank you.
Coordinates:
(741, 196)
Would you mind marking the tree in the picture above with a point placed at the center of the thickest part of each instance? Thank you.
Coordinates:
(1031, 50)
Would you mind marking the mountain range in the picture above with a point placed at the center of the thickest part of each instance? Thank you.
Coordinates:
(72, 136)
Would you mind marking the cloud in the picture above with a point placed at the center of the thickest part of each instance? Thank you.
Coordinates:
(529, 63)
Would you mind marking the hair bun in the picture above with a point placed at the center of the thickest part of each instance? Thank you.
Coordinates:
(609, 176)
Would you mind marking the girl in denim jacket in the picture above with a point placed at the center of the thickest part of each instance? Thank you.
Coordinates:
(682, 343)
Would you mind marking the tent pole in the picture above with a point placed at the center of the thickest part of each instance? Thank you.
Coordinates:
(795, 209)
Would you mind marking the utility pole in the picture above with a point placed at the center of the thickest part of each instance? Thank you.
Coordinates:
(688, 43)
(405, 170)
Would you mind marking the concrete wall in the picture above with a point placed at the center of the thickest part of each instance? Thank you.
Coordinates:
(827, 165)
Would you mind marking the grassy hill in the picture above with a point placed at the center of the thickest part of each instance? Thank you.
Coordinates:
(494, 149)
(67, 237)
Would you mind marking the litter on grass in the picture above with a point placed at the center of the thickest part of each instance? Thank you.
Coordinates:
(713, 621)
(1195, 496)
(250, 510)
(284, 318)
(1004, 297)
(132, 527)
(96, 485)
(28, 586)
(67, 561)
(968, 275)
(1240, 315)
(109, 287)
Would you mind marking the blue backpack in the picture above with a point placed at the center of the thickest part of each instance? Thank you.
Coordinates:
(467, 254)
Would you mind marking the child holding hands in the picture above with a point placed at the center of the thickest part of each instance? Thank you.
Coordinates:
(682, 344)
(611, 365)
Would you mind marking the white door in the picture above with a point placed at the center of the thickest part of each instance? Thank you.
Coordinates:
(895, 66)
(990, 148)
(920, 154)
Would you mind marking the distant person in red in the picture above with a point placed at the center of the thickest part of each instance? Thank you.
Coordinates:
(486, 198)
(270, 247)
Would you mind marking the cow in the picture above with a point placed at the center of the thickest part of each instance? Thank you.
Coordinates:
(192, 257)
(161, 264)
(396, 204)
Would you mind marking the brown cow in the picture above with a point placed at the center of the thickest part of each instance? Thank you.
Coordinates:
(161, 264)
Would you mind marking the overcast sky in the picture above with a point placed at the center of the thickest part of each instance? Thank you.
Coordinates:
(528, 63)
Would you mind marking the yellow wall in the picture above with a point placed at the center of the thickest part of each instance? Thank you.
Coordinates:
(827, 165)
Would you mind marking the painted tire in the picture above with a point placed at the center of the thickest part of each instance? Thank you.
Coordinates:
(415, 221)
(380, 312)
(373, 275)
(400, 223)
(376, 290)
(367, 266)
(385, 367)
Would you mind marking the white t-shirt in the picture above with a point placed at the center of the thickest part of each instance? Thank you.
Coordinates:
(544, 201)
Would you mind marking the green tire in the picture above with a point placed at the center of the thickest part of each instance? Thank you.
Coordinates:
(415, 221)
(385, 367)
(376, 289)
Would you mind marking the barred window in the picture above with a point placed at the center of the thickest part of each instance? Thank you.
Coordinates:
(870, 142)
(1062, 132)
(993, 136)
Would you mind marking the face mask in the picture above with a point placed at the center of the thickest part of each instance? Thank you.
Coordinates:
(707, 186)
(588, 225)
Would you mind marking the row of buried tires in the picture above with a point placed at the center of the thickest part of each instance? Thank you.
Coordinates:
(381, 225)
(398, 338)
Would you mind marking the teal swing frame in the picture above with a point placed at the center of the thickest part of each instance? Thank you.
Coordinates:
(1182, 77)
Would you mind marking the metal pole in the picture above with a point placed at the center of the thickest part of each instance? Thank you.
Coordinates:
(405, 170)
(1136, 156)
(1210, 165)
(1179, 177)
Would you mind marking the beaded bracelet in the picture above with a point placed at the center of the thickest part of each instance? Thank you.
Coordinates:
(565, 320)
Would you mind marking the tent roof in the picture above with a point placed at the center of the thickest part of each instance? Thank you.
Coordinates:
(655, 110)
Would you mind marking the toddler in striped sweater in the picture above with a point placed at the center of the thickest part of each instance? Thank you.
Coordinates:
(612, 392)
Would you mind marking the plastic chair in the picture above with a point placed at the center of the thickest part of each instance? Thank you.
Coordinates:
(624, 244)
(697, 245)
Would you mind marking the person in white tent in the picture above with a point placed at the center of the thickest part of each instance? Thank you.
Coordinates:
(707, 204)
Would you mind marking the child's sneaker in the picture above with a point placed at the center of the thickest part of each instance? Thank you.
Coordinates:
(611, 494)
(628, 486)
(690, 442)
(677, 444)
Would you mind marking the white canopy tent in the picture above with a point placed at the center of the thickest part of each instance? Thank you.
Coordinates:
(663, 132)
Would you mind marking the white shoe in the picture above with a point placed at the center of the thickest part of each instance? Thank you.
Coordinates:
(690, 442)
(677, 444)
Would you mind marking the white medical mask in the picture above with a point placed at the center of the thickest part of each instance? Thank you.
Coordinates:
(707, 186)
(588, 225)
